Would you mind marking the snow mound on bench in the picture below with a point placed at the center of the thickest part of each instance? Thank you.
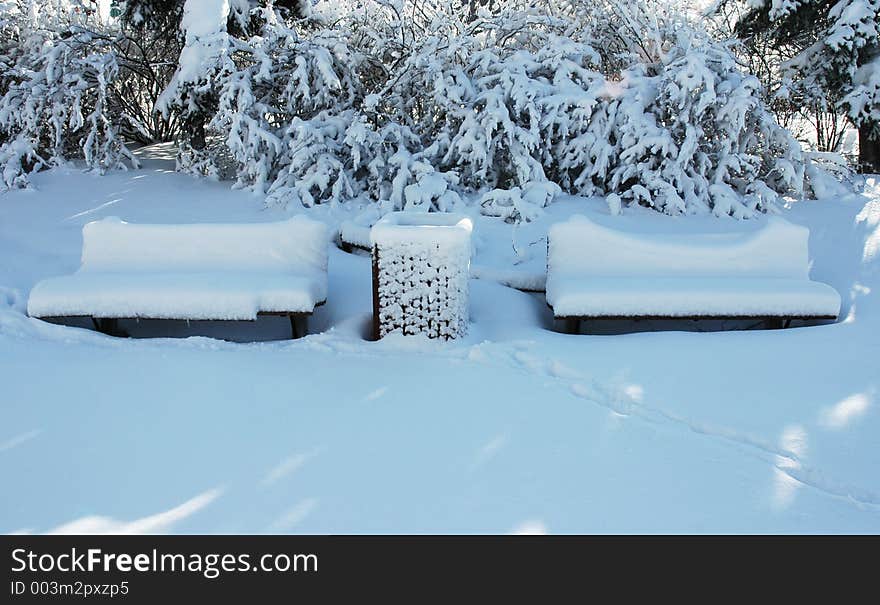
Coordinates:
(196, 271)
(686, 297)
(355, 235)
(595, 270)
(218, 295)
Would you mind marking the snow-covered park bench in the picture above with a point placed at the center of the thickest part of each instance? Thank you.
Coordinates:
(191, 272)
(596, 272)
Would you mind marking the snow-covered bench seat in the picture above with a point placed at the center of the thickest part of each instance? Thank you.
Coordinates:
(594, 271)
(192, 272)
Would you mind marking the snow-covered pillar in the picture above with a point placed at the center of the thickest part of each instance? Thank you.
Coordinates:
(421, 263)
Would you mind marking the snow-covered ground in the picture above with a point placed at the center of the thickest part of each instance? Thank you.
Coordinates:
(514, 428)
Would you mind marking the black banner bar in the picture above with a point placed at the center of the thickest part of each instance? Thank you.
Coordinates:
(157, 569)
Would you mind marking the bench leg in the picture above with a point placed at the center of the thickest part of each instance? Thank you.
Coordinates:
(571, 325)
(298, 325)
(108, 326)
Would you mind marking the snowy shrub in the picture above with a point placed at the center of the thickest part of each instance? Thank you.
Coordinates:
(510, 101)
(311, 84)
(420, 109)
(680, 127)
(519, 204)
(411, 104)
(273, 108)
(314, 170)
(694, 136)
(293, 114)
(55, 106)
(401, 174)
(828, 175)
(488, 108)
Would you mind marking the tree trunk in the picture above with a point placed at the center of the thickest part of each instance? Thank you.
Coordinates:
(869, 148)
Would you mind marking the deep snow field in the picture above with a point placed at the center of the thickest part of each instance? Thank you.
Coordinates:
(515, 428)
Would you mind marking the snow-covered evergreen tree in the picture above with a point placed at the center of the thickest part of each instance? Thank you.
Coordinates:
(192, 92)
(690, 134)
(839, 64)
(56, 83)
